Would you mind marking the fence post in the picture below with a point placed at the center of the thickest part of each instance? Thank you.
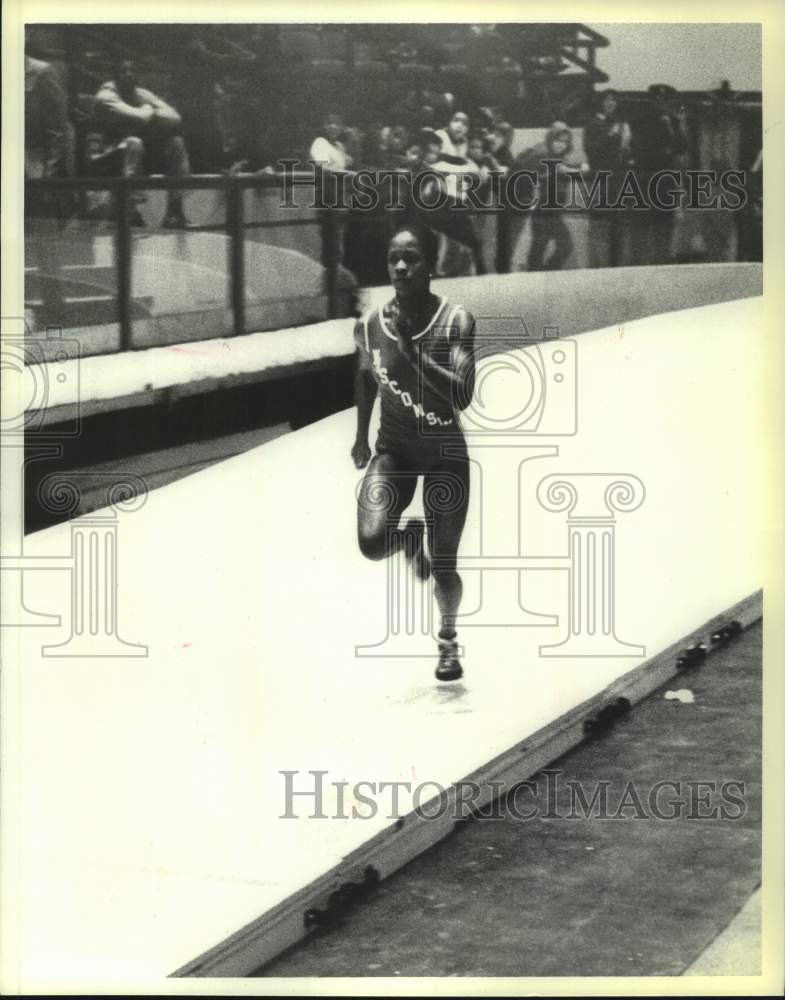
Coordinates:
(234, 221)
(330, 260)
(124, 255)
(502, 240)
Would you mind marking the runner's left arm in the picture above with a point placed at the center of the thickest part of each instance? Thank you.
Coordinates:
(449, 368)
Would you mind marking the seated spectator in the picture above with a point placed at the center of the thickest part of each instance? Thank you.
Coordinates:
(135, 122)
(548, 224)
(454, 138)
(327, 150)
(607, 136)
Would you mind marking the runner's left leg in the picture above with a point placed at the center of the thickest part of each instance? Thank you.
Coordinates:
(446, 499)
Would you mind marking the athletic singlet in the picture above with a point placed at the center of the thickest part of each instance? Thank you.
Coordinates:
(414, 419)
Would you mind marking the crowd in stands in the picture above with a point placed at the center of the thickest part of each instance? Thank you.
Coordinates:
(134, 131)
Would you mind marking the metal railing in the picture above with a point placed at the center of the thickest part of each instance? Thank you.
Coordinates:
(43, 192)
(122, 189)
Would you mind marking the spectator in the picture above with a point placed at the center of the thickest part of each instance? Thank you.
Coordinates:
(136, 121)
(500, 145)
(450, 219)
(663, 141)
(214, 76)
(47, 129)
(500, 148)
(484, 223)
(660, 142)
(414, 155)
(749, 220)
(47, 146)
(607, 140)
(607, 137)
(482, 156)
(396, 148)
(379, 147)
(353, 143)
(548, 225)
(454, 138)
(327, 150)
(431, 148)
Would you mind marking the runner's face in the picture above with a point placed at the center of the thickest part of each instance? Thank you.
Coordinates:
(407, 266)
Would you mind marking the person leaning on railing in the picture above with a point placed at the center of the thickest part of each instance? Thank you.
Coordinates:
(136, 121)
(551, 159)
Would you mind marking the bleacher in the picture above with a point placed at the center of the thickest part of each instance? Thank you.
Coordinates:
(297, 72)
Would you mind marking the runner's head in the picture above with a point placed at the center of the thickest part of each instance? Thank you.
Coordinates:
(411, 256)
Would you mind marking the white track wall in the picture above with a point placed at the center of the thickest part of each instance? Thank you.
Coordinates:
(149, 810)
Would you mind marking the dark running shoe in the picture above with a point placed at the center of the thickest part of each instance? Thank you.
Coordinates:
(449, 667)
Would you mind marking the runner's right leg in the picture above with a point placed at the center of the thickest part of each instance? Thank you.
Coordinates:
(385, 493)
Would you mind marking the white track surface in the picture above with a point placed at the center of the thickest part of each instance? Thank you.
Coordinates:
(151, 790)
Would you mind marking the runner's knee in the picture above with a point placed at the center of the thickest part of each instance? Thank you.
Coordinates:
(373, 544)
